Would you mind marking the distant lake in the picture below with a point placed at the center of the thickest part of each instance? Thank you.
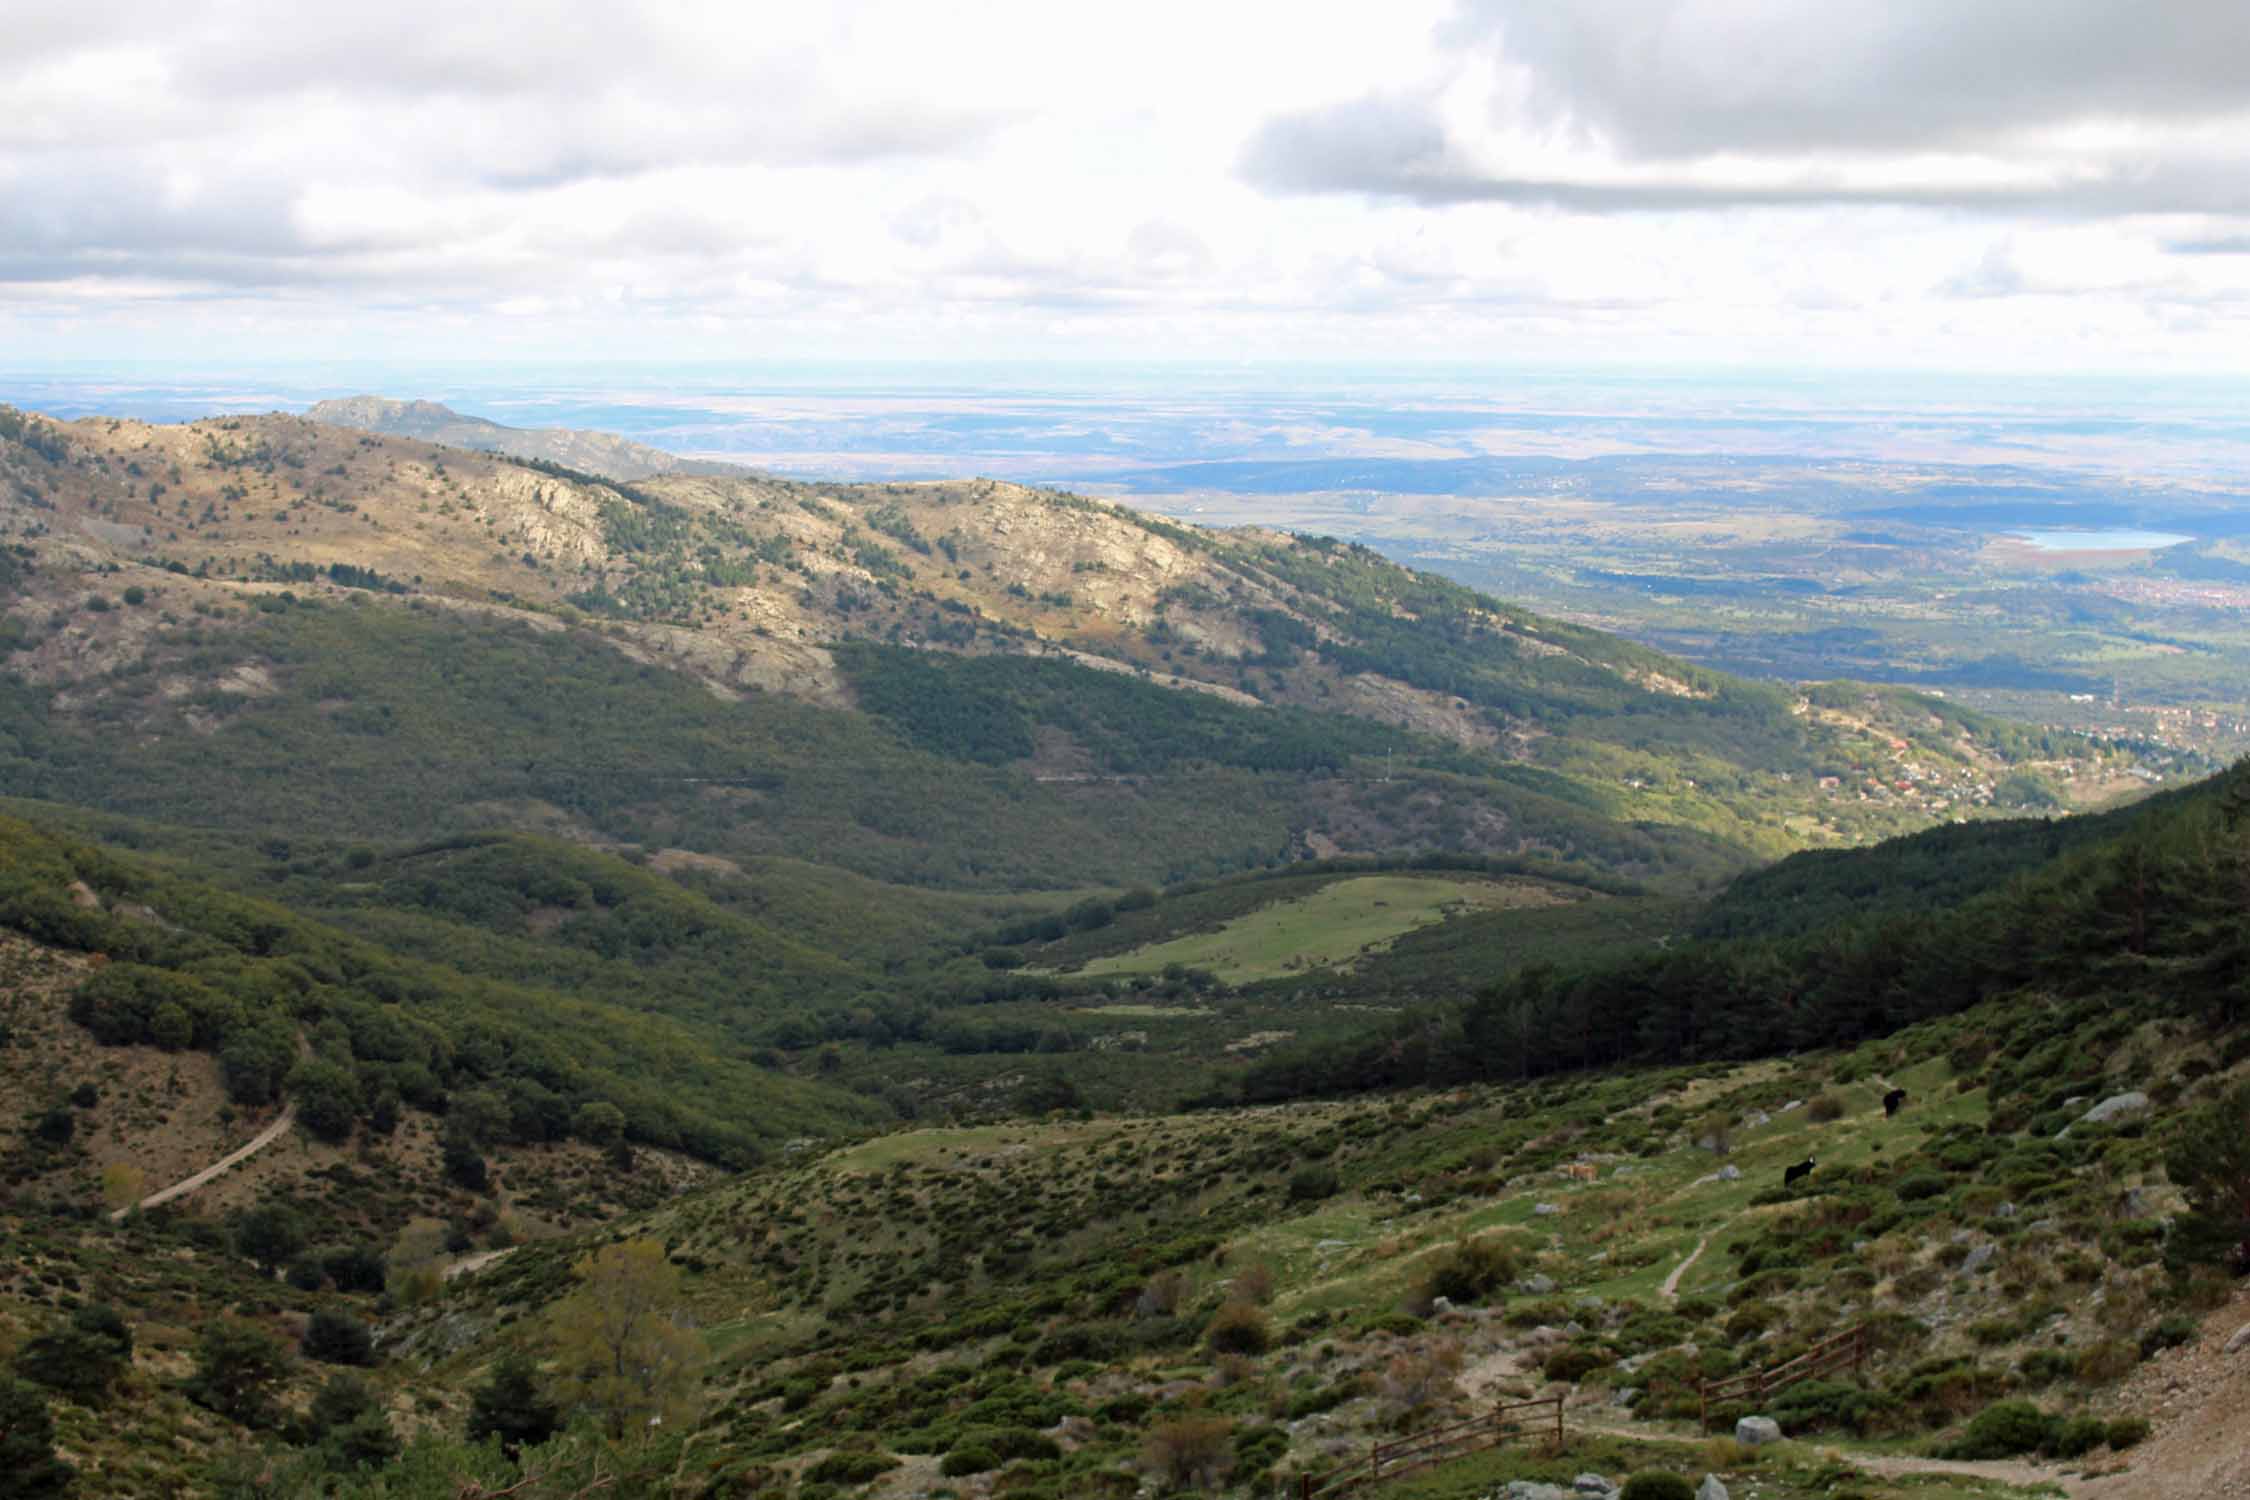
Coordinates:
(2112, 540)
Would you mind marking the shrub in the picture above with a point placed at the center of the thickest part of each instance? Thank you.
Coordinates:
(1188, 1451)
(1656, 1484)
(2125, 1432)
(1915, 1186)
(2111, 1359)
(1573, 1362)
(851, 1468)
(1825, 1106)
(2167, 1333)
(1238, 1328)
(2078, 1435)
(1468, 1271)
(969, 1458)
(2003, 1430)
(338, 1338)
(1313, 1183)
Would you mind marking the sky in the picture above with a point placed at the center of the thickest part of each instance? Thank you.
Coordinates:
(2035, 185)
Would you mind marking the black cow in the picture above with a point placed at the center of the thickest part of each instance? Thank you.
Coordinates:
(1790, 1175)
(1892, 1101)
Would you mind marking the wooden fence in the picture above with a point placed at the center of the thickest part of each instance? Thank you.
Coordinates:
(1410, 1455)
(1836, 1352)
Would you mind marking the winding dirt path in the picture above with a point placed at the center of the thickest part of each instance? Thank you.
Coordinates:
(469, 1265)
(239, 1154)
(1670, 1291)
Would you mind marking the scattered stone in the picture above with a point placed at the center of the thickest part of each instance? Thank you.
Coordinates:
(1963, 1236)
(1527, 1489)
(1792, 1104)
(1711, 1489)
(1977, 1260)
(2005, 1211)
(1574, 1329)
(1545, 1208)
(1729, 1173)
(1593, 1484)
(1538, 1284)
(1440, 1306)
(1756, 1432)
(1625, 1395)
(1755, 1118)
(2240, 1341)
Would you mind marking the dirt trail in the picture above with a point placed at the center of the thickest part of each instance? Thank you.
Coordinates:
(256, 1144)
(1670, 1291)
(469, 1265)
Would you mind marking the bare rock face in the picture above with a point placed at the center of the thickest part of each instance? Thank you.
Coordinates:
(2240, 1342)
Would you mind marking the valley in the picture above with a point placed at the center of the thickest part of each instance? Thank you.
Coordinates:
(974, 990)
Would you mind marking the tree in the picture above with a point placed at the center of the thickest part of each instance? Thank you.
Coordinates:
(598, 1123)
(28, 1466)
(2209, 1161)
(236, 1369)
(338, 1338)
(271, 1235)
(348, 1422)
(623, 1352)
(327, 1098)
(510, 1407)
(253, 1061)
(83, 1358)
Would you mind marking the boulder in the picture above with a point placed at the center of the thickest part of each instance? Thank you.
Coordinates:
(1545, 1208)
(1593, 1486)
(1755, 1118)
(1977, 1260)
(1440, 1306)
(1625, 1395)
(2116, 1107)
(1729, 1173)
(1711, 1489)
(2005, 1211)
(1756, 1432)
(1528, 1489)
(2240, 1342)
(1539, 1284)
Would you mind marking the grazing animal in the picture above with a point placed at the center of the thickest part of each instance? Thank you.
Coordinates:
(1790, 1175)
(1892, 1101)
(1581, 1171)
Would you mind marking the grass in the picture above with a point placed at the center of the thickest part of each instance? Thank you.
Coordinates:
(1331, 927)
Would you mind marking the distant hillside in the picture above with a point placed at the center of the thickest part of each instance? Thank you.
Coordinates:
(966, 684)
(602, 454)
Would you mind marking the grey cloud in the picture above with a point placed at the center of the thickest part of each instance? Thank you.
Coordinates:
(1818, 96)
(2218, 244)
(1670, 79)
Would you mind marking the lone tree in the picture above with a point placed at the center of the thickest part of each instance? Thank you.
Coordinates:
(271, 1235)
(621, 1348)
(236, 1368)
(510, 1407)
(2210, 1162)
(82, 1359)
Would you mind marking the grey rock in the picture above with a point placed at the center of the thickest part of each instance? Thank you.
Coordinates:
(1593, 1484)
(1756, 1432)
(1963, 1236)
(1527, 1489)
(2240, 1340)
(1711, 1489)
(1545, 1208)
(1538, 1284)
(1729, 1173)
(1792, 1104)
(1977, 1260)
(1574, 1329)
(1755, 1118)
(1625, 1395)
(2005, 1211)
(2042, 1226)
(1440, 1306)
(2116, 1107)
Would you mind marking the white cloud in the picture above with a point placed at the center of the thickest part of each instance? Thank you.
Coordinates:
(2016, 181)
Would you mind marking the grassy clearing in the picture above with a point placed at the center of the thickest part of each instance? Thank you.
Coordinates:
(1330, 927)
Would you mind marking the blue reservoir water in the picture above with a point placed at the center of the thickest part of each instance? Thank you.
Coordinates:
(2115, 539)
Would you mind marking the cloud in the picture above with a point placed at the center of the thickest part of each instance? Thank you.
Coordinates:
(2059, 108)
